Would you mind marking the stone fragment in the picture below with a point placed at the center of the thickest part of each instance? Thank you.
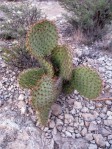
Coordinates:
(56, 109)
(22, 106)
(84, 131)
(105, 132)
(109, 113)
(93, 127)
(89, 137)
(90, 117)
(92, 146)
(52, 124)
(21, 97)
(77, 105)
(84, 110)
(70, 101)
(70, 129)
(108, 122)
(68, 134)
(69, 118)
(59, 127)
(54, 131)
(99, 140)
(107, 144)
(110, 137)
(59, 122)
(108, 102)
(98, 105)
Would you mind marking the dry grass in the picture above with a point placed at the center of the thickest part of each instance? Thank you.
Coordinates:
(79, 37)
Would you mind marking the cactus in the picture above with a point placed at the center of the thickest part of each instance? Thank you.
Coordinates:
(86, 81)
(28, 78)
(43, 97)
(56, 71)
(42, 38)
(62, 60)
(47, 66)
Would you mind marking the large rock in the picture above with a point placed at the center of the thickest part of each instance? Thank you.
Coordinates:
(69, 143)
(18, 131)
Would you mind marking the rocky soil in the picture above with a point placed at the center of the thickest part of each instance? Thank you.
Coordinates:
(74, 122)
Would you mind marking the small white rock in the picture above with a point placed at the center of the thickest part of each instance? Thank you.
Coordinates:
(21, 97)
(77, 105)
(92, 146)
(68, 134)
(69, 118)
(52, 124)
(84, 132)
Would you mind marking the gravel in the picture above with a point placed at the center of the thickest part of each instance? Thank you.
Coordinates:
(74, 122)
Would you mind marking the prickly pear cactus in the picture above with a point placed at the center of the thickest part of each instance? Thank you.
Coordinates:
(62, 60)
(47, 66)
(56, 71)
(42, 38)
(28, 78)
(86, 81)
(43, 97)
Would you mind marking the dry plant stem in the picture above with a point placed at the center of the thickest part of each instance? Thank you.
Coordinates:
(103, 99)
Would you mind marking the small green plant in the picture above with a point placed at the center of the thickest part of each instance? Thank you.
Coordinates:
(18, 56)
(56, 73)
(19, 17)
(90, 16)
(14, 26)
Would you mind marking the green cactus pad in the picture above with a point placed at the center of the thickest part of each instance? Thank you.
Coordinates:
(42, 38)
(86, 81)
(62, 61)
(43, 97)
(47, 66)
(28, 78)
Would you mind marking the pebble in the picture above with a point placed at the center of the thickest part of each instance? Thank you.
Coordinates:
(56, 109)
(99, 140)
(68, 134)
(22, 106)
(89, 137)
(110, 137)
(108, 122)
(69, 118)
(105, 132)
(84, 110)
(21, 97)
(93, 127)
(70, 129)
(92, 146)
(108, 102)
(51, 124)
(107, 144)
(84, 131)
(90, 117)
(77, 105)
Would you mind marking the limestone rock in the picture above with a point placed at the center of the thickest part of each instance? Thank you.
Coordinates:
(99, 140)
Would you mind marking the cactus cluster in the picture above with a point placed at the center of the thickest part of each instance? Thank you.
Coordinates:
(56, 73)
